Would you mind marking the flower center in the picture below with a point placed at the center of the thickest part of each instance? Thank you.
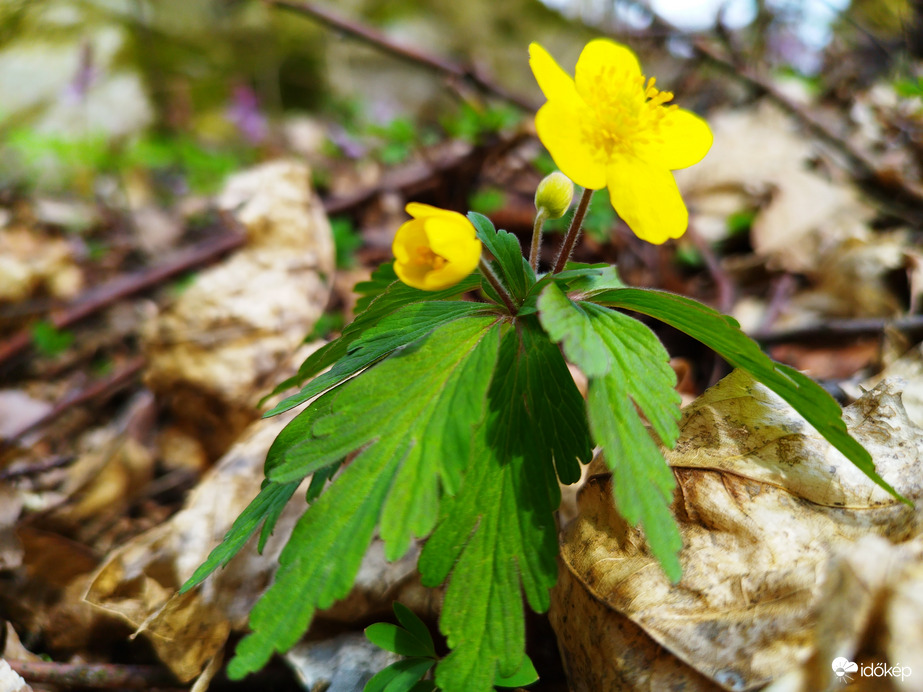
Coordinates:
(628, 113)
(426, 257)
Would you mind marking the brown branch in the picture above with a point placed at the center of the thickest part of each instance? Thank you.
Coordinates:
(417, 178)
(55, 462)
(382, 42)
(103, 387)
(106, 294)
(837, 330)
(95, 675)
(906, 200)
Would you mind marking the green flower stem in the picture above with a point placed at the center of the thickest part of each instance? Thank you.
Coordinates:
(498, 287)
(537, 238)
(570, 240)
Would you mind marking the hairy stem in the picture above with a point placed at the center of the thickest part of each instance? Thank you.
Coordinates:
(537, 238)
(570, 240)
(494, 280)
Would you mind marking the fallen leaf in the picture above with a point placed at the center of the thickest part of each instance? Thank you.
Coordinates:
(764, 504)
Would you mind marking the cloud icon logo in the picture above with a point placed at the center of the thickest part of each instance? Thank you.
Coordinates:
(841, 666)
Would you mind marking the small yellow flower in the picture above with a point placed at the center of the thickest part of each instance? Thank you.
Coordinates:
(607, 127)
(435, 249)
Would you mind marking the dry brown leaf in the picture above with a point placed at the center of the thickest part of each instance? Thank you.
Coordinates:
(214, 351)
(764, 504)
(759, 154)
(909, 369)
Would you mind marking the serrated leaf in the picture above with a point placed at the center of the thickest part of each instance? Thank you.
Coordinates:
(627, 367)
(402, 327)
(399, 413)
(526, 675)
(414, 625)
(382, 303)
(722, 334)
(514, 270)
(270, 501)
(396, 639)
(401, 676)
(498, 536)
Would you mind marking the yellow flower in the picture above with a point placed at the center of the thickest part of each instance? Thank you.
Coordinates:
(435, 249)
(607, 127)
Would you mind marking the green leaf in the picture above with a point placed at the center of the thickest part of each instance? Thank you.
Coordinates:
(628, 369)
(414, 625)
(397, 640)
(384, 301)
(403, 432)
(723, 335)
(498, 536)
(402, 327)
(514, 270)
(268, 503)
(49, 340)
(526, 675)
(401, 676)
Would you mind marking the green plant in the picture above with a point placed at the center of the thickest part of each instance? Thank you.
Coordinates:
(413, 641)
(49, 340)
(467, 450)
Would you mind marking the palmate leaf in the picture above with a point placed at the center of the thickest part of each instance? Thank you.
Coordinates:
(498, 536)
(403, 326)
(382, 296)
(627, 367)
(400, 413)
(723, 335)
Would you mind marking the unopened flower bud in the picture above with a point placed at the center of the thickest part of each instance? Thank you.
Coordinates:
(554, 194)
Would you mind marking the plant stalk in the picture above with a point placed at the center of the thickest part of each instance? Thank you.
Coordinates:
(494, 280)
(537, 238)
(573, 233)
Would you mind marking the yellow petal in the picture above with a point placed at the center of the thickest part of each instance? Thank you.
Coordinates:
(418, 210)
(559, 128)
(602, 59)
(554, 82)
(409, 236)
(684, 140)
(453, 240)
(647, 199)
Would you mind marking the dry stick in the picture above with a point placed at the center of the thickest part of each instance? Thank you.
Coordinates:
(573, 232)
(837, 330)
(96, 675)
(106, 294)
(416, 178)
(908, 200)
(55, 462)
(379, 40)
(107, 385)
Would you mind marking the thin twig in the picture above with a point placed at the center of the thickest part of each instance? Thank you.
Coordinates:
(723, 282)
(96, 675)
(382, 42)
(38, 468)
(573, 232)
(105, 386)
(837, 330)
(106, 294)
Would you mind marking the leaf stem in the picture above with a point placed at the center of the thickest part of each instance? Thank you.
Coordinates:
(570, 240)
(537, 238)
(494, 280)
